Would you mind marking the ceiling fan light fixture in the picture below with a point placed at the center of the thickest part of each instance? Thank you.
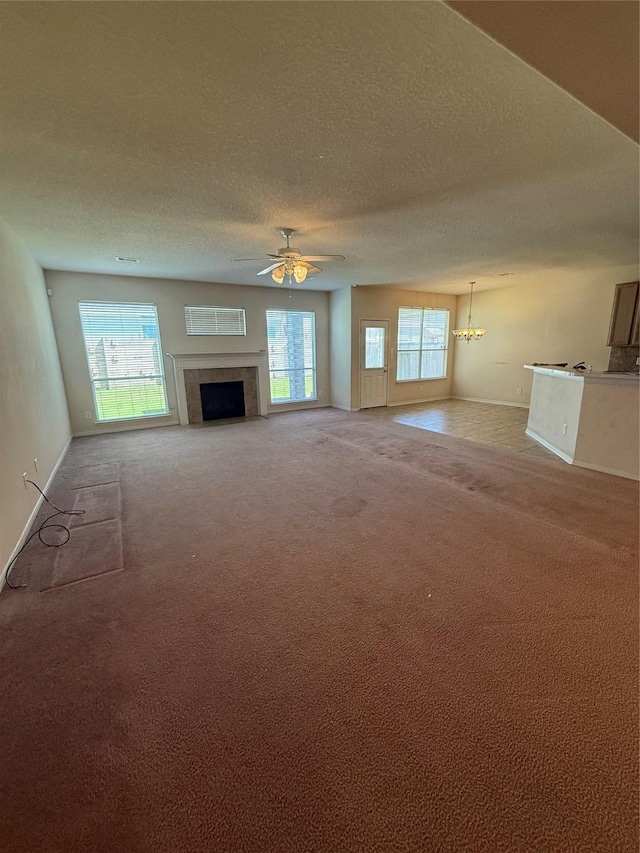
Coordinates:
(289, 261)
(299, 273)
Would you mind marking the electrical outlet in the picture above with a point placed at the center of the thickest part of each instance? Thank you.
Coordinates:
(88, 416)
(35, 463)
(24, 478)
(564, 429)
(519, 391)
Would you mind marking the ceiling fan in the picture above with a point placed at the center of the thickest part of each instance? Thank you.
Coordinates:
(290, 262)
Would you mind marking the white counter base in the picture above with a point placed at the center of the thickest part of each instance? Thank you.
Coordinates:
(566, 458)
(588, 420)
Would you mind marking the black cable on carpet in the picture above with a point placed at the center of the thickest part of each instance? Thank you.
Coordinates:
(38, 532)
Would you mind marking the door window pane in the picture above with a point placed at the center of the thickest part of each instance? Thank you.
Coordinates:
(373, 347)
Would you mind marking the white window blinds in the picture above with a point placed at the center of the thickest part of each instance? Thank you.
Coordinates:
(422, 343)
(212, 320)
(124, 355)
(291, 337)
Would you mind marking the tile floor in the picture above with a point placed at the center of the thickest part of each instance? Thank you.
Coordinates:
(486, 423)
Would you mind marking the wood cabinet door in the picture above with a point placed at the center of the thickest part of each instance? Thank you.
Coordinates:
(635, 334)
(623, 314)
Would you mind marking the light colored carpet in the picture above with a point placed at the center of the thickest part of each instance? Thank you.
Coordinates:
(99, 503)
(331, 634)
(94, 549)
(94, 475)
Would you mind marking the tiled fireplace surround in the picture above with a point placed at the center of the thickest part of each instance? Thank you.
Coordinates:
(191, 370)
(194, 378)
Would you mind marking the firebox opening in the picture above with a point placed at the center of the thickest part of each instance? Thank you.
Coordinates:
(222, 400)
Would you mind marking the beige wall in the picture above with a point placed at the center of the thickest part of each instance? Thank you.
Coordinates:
(382, 303)
(170, 297)
(340, 341)
(555, 317)
(34, 422)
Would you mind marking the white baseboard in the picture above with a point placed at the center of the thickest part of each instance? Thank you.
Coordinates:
(545, 443)
(344, 408)
(422, 400)
(32, 517)
(493, 402)
(615, 471)
(276, 408)
(111, 430)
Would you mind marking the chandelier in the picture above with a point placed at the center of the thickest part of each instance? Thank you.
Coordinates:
(291, 267)
(469, 333)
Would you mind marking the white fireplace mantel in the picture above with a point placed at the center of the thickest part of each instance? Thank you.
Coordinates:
(204, 360)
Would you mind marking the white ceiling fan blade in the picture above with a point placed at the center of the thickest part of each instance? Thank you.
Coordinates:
(269, 269)
(322, 258)
(263, 258)
(311, 269)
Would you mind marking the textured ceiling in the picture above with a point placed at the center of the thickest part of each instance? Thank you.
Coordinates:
(397, 134)
(589, 48)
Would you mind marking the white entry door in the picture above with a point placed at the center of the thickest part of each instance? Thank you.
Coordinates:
(373, 363)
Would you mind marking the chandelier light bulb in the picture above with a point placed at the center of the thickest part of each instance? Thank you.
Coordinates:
(278, 274)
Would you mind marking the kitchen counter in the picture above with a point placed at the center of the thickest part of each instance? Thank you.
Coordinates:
(586, 375)
(588, 419)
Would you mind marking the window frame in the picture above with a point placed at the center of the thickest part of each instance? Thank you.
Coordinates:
(241, 334)
(420, 350)
(93, 381)
(314, 368)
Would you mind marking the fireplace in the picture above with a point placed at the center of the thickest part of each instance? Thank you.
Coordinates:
(222, 400)
(216, 393)
(195, 369)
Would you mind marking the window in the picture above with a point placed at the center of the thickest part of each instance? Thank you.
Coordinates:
(292, 355)
(209, 320)
(374, 347)
(122, 342)
(422, 343)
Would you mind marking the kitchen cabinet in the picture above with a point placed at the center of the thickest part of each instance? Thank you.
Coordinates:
(623, 331)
